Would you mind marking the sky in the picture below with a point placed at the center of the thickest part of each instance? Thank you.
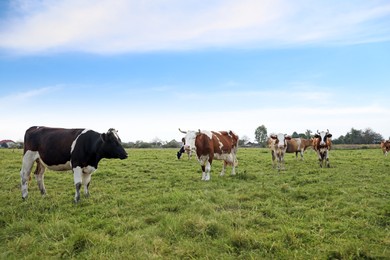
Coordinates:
(147, 68)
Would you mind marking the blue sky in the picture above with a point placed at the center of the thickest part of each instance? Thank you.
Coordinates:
(147, 68)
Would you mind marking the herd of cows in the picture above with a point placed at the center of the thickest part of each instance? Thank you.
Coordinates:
(80, 150)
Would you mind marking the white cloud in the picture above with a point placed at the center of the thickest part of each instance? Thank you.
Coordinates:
(27, 95)
(105, 26)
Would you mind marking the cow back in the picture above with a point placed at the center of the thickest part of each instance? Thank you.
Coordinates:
(293, 145)
(53, 144)
(221, 142)
(225, 142)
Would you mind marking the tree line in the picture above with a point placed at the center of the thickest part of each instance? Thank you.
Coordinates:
(354, 136)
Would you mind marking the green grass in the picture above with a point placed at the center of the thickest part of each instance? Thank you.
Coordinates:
(153, 206)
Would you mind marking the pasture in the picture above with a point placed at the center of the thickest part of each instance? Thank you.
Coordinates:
(153, 206)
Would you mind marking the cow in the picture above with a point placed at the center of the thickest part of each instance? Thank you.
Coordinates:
(278, 145)
(210, 145)
(385, 146)
(322, 143)
(295, 145)
(60, 149)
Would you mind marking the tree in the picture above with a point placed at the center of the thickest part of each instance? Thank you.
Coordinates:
(295, 135)
(243, 140)
(355, 136)
(261, 135)
(308, 133)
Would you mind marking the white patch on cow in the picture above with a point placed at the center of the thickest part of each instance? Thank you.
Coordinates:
(77, 175)
(60, 167)
(208, 133)
(281, 139)
(28, 161)
(203, 159)
(322, 135)
(207, 171)
(75, 140)
(299, 143)
(219, 141)
(115, 132)
(228, 157)
(190, 141)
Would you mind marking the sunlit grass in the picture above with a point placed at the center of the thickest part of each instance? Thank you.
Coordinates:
(155, 206)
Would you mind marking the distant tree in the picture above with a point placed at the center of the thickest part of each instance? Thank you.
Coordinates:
(308, 134)
(295, 135)
(355, 136)
(243, 140)
(172, 144)
(142, 144)
(302, 135)
(261, 135)
(371, 137)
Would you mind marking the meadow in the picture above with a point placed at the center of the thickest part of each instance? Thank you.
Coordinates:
(153, 206)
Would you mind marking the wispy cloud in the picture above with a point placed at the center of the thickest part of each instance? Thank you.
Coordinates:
(28, 94)
(105, 26)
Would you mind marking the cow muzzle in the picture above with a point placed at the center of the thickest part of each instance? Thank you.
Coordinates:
(123, 156)
(187, 148)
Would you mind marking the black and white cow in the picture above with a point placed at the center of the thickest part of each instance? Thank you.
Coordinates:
(59, 149)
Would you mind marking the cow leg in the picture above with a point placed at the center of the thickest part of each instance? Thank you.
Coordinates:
(327, 159)
(203, 172)
(77, 175)
(234, 164)
(281, 163)
(319, 158)
(273, 159)
(28, 161)
(39, 174)
(207, 171)
(223, 168)
(86, 178)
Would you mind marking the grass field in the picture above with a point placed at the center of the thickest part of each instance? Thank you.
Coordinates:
(153, 206)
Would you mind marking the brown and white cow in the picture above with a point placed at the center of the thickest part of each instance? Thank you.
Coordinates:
(278, 145)
(210, 145)
(298, 145)
(322, 143)
(59, 149)
(385, 146)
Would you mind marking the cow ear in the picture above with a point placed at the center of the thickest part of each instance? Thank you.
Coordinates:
(287, 137)
(316, 135)
(273, 136)
(329, 135)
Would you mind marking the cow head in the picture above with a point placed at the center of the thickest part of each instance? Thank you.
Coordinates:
(189, 139)
(112, 147)
(323, 137)
(280, 140)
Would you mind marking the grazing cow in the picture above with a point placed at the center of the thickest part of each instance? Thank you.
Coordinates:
(278, 145)
(322, 143)
(300, 145)
(211, 145)
(62, 149)
(385, 146)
